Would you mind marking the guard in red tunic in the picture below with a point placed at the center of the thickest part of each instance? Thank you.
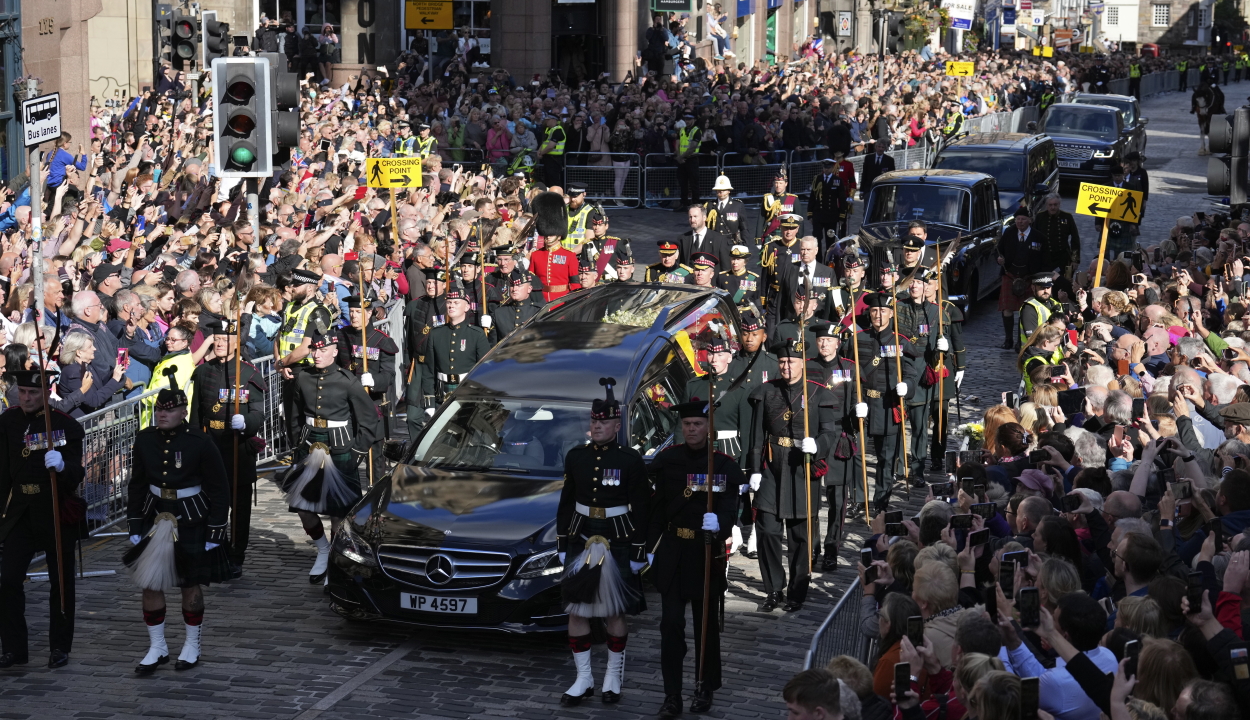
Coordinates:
(554, 266)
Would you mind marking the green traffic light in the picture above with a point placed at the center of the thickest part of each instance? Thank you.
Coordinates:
(242, 156)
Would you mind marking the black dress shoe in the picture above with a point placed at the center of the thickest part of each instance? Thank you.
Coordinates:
(8, 660)
(58, 658)
(830, 564)
(236, 571)
(149, 669)
(610, 698)
(671, 707)
(1008, 345)
(792, 606)
(753, 554)
(771, 602)
(702, 701)
(184, 665)
(568, 700)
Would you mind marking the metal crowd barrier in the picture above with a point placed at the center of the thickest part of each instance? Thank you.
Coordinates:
(660, 177)
(752, 178)
(471, 158)
(111, 431)
(839, 634)
(604, 180)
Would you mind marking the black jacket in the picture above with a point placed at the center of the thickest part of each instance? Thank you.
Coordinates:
(872, 169)
(713, 242)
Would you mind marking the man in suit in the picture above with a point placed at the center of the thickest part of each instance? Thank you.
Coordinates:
(874, 165)
(701, 239)
(821, 276)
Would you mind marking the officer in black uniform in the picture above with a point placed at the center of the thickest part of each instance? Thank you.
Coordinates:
(1061, 241)
(679, 532)
(743, 285)
(1099, 76)
(26, 516)
(606, 495)
(881, 355)
(469, 275)
(845, 301)
(918, 322)
(785, 471)
(454, 348)
(827, 204)
(764, 368)
(420, 317)
(954, 361)
(382, 350)
(335, 416)
(730, 408)
(726, 215)
(808, 304)
(622, 267)
(780, 253)
(521, 304)
(500, 277)
(177, 474)
(914, 253)
(213, 413)
(837, 374)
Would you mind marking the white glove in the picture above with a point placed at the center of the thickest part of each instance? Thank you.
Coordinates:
(809, 446)
(236, 422)
(134, 539)
(210, 545)
(650, 558)
(959, 378)
(861, 410)
(367, 380)
(561, 556)
(429, 411)
(486, 321)
(756, 478)
(635, 566)
(901, 389)
(710, 523)
(943, 345)
(53, 460)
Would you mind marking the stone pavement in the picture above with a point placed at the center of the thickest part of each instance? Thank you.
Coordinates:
(273, 648)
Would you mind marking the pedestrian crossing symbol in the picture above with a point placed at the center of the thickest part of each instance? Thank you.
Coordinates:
(1112, 203)
(393, 172)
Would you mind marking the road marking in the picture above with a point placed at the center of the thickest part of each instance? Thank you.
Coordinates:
(329, 701)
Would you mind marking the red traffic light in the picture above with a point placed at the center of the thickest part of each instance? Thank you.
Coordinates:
(184, 29)
(241, 124)
(240, 91)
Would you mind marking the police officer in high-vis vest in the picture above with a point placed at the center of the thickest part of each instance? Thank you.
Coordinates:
(579, 214)
(1134, 78)
(551, 151)
(427, 145)
(303, 314)
(1037, 310)
(1182, 67)
(405, 144)
(689, 136)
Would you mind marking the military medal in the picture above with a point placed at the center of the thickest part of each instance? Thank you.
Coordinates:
(611, 477)
(178, 459)
(217, 407)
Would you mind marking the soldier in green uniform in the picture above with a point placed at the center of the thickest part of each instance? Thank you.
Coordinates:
(520, 305)
(679, 531)
(304, 315)
(779, 253)
(842, 473)
(729, 411)
(847, 302)
(703, 266)
(914, 253)
(882, 355)
(669, 269)
(622, 265)
(764, 368)
(379, 381)
(606, 497)
(741, 283)
(501, 277)
(785, 457)
(26, 516)
(918, 322)
(177, 475)
(807, 305)
(336, 423)
(213, 413)
(454, 348)
(420, 317)
(954, 361)
(470, 275)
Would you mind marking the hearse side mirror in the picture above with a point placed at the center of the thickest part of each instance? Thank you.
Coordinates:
(1041, 188)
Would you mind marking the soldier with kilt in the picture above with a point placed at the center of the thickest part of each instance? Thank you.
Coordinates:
(837, 374)
(178, 504)
(918, 322)
(785, 464)
(764, 369)
(679, 534)
(336, 423)
(601, 525)
(952, 328)
(882, 354)
(379, 381)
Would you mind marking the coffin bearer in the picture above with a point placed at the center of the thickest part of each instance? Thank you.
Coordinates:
(178, 507)
(837, 374)
(213, 413)
(26, 516)
(601, 525)
(679, 533)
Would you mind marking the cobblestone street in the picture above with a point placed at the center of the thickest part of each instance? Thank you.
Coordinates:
(274, 649)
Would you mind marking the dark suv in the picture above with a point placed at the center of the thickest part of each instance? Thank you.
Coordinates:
(1024, 166)
(1089, 139)
(1130, 113)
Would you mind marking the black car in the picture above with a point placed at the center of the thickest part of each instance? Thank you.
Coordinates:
(1089, 139)
(953, 204)
(1130, 113)
(1023, 165)
(462, 533)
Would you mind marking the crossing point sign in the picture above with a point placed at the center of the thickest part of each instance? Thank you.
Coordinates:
(960, 69)
(1109, 202)
(402, 172)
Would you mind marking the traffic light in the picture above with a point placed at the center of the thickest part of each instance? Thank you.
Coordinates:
(284, 92)
(243, 140)
(894, 32)
(165, 34)
(1226, 175)
(216, 38)
(186, 40)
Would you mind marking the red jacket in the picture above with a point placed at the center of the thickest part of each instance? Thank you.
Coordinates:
(556, 270)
